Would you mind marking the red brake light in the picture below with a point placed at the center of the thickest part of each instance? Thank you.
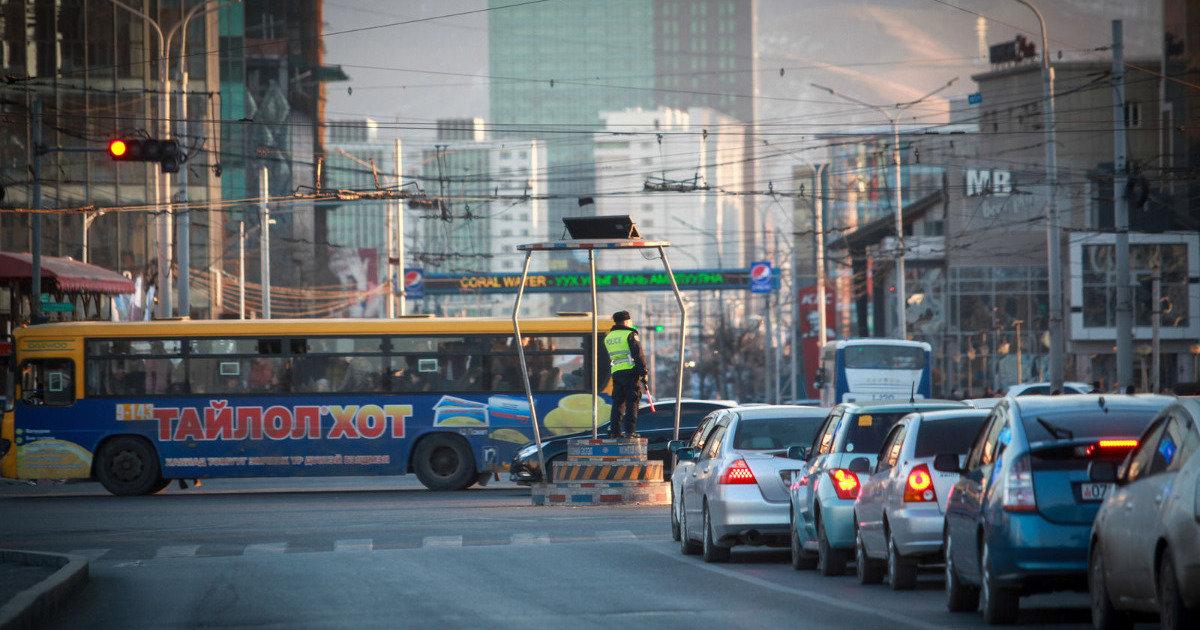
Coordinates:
(738, 473)
(919, 487)
(1111, 447)
(1018, 487)
(845, 484)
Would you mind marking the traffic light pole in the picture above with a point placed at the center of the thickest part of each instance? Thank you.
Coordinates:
(35, 250)
(183, 224)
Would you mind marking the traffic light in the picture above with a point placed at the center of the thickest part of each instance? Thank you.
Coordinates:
(659, 328)
(165, 152)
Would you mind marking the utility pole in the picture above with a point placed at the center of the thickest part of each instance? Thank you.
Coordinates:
(1156, 317)
(901, 290)
(390, 256)
(819, 222)
(794, 332)
(400, 271)
(183, 249)
(1121, 213)
(1053, 229)
(264, 248)
(241, 270)
(35, 250)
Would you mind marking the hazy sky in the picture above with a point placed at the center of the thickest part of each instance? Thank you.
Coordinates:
(884, 51)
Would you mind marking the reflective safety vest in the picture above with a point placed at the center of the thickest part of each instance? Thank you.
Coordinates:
(619, 354)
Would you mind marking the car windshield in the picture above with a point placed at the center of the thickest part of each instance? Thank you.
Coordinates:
(769, 434)
(878, 357)
(1092, 424)
(947, 435)
(867, 430)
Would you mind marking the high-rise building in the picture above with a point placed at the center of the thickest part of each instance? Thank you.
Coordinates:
(555, 67)
(94, 69)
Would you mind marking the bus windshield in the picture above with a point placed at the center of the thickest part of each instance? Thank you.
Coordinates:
(883, 357)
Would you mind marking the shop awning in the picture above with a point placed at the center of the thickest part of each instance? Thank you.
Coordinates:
(64, 275)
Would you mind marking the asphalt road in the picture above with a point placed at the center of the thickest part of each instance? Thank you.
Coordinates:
(385, 553)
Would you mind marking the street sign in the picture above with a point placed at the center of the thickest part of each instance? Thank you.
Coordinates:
(414, 283)
(974, 98)
(57, 307)
(760, 276)
(573, 282)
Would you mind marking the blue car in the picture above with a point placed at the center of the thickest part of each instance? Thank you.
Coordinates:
(1020, 516)
(822, 495)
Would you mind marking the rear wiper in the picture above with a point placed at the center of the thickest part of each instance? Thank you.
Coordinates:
(1056, 431)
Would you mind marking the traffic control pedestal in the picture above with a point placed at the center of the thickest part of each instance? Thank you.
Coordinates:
(605, 471)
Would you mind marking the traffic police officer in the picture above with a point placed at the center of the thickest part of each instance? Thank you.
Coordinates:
(628, 368)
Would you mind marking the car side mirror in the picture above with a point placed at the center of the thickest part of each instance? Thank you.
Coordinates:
(1102, 472)
(688, 454)
(947, 462)
(798, 452)
(674, 445)
(860, 465)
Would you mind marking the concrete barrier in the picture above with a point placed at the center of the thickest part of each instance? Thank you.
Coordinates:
(28, 608)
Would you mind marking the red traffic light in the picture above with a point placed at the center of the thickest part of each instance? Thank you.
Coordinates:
(117, 148)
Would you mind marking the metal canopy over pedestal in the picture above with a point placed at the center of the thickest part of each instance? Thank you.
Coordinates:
(591, 246)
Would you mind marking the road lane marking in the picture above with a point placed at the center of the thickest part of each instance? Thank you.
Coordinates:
(276, 547)
(530, 539)
(616, 535)
(442, 541)
(90, 554)
(177, 551)
(893, 617)
(354, 544)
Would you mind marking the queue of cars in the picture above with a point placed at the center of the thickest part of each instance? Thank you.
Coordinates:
(1034, 494)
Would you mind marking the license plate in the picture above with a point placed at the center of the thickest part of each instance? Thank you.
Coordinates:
(1092, 492)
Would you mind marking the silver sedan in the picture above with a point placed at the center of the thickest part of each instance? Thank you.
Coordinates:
(900, 513)
(735, 492)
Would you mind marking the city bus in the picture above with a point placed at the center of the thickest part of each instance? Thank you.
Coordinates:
(874, 370)
(136, 405)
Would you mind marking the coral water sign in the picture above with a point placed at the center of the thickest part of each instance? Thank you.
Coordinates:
(567, 282)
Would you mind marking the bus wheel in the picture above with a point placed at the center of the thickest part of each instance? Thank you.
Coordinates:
(128, 466)
(444, 462)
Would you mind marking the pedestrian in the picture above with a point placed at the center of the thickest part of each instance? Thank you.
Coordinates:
(628, 368)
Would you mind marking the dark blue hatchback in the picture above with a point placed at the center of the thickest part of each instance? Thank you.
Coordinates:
(1020, 516)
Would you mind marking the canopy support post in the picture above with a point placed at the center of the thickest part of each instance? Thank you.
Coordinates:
(662, 254)
(537, 433)
(595, 350)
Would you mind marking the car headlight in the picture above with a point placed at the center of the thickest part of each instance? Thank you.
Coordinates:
(526, 452)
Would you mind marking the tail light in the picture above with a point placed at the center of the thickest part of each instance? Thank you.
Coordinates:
(919, 487)
(1116, 449)
(845, 484)
(1018, 487)
(738, 473)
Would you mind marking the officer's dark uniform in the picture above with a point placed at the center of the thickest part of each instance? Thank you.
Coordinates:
(628, 368)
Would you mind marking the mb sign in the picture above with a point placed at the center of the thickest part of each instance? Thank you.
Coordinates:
(981, 182)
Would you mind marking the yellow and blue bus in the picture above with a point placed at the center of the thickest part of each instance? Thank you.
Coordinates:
(135, 405)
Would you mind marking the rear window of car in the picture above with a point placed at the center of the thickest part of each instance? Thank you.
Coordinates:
(1095, 424)
(770, 434)
(947, 435)
(866, 431)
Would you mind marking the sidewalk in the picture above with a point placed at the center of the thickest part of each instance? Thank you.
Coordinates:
(33, 585)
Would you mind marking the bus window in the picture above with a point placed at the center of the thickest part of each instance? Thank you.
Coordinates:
(48, 382)
(135, 367)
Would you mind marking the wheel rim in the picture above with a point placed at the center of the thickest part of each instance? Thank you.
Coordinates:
(860, 558)
(892, 559)
(126, 466)
(707, 533)
(443, 461)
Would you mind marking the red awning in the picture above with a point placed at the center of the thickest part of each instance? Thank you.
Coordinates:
(64, 275)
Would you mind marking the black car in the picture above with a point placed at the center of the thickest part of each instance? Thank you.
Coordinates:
(657, 427)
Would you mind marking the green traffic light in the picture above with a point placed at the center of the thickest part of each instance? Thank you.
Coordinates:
(659, 328)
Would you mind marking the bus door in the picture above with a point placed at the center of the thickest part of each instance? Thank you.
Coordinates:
(47, 431)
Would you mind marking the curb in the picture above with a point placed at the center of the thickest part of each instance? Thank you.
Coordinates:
(32, 605)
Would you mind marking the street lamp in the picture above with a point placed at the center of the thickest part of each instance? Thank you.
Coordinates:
(1053, 240)
(901, 291)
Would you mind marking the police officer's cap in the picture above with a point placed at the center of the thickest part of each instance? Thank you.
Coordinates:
(621, 316)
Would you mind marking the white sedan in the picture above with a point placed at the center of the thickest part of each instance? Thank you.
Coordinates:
(735, 491)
